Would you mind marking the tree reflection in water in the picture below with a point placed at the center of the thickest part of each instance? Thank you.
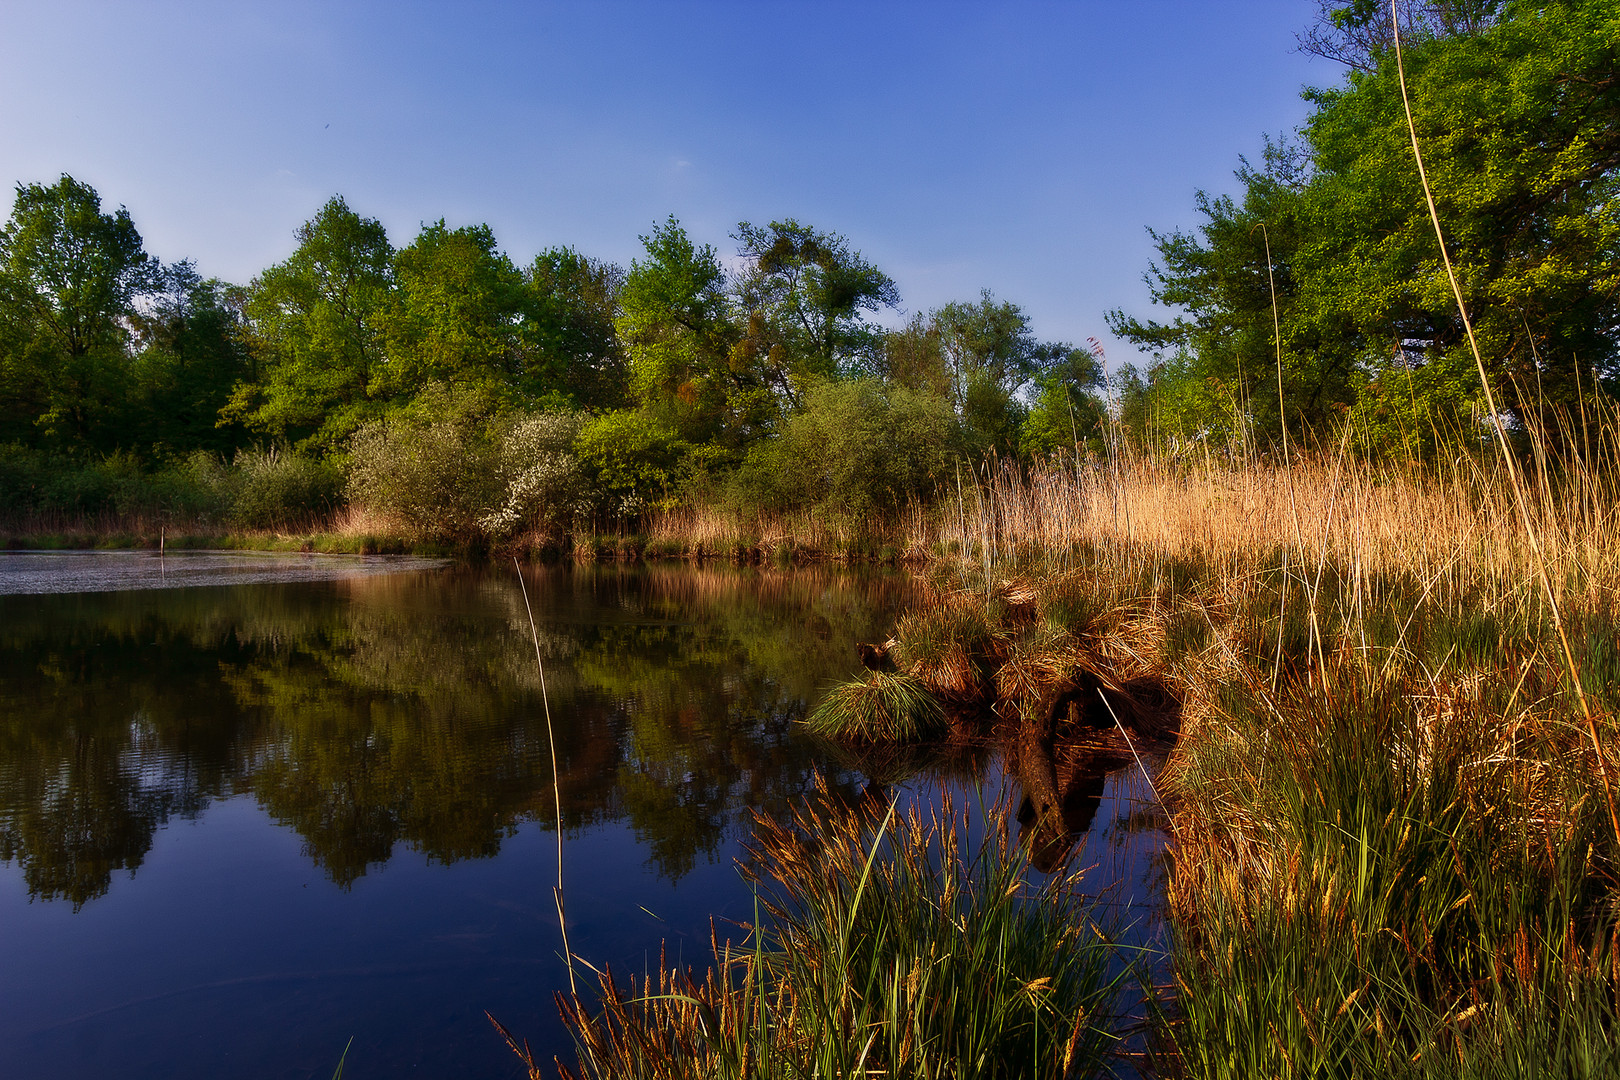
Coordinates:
(375, 711)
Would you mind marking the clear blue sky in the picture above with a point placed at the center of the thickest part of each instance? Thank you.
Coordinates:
(1020, 147)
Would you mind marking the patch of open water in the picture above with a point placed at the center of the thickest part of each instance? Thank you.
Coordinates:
(242, 824)
(34, 572)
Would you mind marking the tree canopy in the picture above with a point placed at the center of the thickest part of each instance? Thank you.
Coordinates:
(422, 373)
(1517, 107)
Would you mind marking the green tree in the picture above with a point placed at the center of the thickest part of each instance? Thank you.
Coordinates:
(1517, 107)
(1220, 350)
(983, 358)
(1357, 32)
(1067, 413)
(189, 357)
(70, 277)
(677, 328)
(573, 348)
(315, 324)
(803, 297)
(454, 316)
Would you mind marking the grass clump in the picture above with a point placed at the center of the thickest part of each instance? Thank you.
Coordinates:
(1378, 882)
(883, 707)
(886, 946)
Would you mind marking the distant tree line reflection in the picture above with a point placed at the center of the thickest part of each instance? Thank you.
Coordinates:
(405, 709)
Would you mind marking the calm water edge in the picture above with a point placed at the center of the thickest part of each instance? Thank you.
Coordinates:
(253, 807)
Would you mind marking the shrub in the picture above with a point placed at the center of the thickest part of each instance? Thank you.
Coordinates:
(540, 474)
(858, 448)
(432, 465)
(633, 461)
(280, 489)
(32, 481)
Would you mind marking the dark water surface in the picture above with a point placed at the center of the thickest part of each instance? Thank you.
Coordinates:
(241, 824)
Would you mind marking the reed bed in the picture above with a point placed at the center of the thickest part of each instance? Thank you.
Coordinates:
(1394, 844)
(697, 528)
(1455, 524)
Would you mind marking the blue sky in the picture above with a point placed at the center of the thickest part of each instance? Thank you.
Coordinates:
(1020, 147)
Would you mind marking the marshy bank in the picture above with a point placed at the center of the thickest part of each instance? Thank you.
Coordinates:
(1391, 802)
(1391, 817)
(1379, 746)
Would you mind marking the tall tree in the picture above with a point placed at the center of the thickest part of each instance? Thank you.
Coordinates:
(1520, 122)
(572, 346)
(314, 324)
(677, 328)
(189, 357)
(1357, 33)
(70, 277)
(803, 296)
(984, 358)
(453, 316)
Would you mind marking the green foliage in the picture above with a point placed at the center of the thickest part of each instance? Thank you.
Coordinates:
(983, 358)
(573, 347)
(189, 357)
(1067, 413)
(35, 482)
(434, 465)
(1517, 112)
(858, 449)
(281, 489)
(801, 301)
(682, 372)
(453, 316)
(634, 461)
(677, 329)
(70, 276)
(315, 325)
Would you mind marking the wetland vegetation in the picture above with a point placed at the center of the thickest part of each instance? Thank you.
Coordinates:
(1335, 575)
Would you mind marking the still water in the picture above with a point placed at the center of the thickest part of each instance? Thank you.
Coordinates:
(270, 805)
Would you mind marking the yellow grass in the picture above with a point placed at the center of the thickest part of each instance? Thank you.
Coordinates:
(1455, 526)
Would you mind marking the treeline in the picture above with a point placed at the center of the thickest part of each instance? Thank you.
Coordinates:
(1323, 274)
(465, 395)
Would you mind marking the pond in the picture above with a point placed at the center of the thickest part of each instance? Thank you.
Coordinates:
(267, 805)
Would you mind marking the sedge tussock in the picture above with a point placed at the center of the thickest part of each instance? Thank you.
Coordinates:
(883, 707)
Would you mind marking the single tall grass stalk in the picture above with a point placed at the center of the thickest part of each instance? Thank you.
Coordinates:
(556, 779)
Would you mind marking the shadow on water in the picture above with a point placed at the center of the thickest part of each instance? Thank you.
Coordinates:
(174, 763)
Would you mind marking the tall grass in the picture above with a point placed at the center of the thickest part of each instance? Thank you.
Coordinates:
(888, 944)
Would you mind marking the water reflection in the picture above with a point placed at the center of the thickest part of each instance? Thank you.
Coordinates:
(379, 712)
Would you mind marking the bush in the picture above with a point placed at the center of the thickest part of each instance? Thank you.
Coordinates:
(433, 466)
(858, 449)
(33, 482)
(540, 474)
(633, 461)
(276, 488)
